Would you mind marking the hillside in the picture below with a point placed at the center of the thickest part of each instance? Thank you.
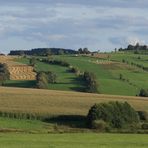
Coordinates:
(48, 102)
(106, 67)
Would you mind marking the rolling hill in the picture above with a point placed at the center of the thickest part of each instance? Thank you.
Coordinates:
(49, 102)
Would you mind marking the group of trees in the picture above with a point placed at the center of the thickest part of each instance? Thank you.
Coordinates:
(4, 73)
(143, 92)
(91, 82)
(112, 114)
(83, 51)
(43, 51)
(44, 78)
(135, 48)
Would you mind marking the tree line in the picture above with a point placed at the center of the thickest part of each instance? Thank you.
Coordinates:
(43, 51)
(135, 48)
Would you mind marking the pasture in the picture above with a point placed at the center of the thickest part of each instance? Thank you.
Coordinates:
(82, 140)
(107, 71)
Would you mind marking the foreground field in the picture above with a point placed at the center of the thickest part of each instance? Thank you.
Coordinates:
(48, 102)
(73, 140)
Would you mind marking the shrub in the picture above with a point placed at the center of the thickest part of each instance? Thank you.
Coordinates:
(116, 114)
(4, 73)
(32, 61)
(91, 83)
(99, 125)
(51, 77)
(74, 69)
(121, 76)
(144, 126)
(143, 93)
(43, 78)
(143, 115)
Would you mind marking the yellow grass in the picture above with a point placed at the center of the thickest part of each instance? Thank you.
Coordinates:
(58, 102)
(18, 71)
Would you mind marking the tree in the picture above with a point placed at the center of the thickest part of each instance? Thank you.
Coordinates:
(121, 76)
(51, 77)
(86, 51)
(32, 61)
(4, 73)
(60, 52)
(143, 93)
(91, 82)
(116, 114)
(42, 80)
(48, 52)
(80, 50)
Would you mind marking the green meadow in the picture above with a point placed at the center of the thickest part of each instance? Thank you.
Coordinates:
(107, 72)
(82, 140)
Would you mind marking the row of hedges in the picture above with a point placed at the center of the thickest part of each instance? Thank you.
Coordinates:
(135, 64)
(56, 62)
(121, 77)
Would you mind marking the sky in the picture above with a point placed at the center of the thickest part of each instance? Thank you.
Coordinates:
(95, 24)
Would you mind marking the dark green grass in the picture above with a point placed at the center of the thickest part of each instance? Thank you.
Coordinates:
(18, 83)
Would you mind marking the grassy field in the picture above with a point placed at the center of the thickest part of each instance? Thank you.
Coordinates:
(73, 140)
(65, 79)
(58, 102)
(143, 60)
(107, 73)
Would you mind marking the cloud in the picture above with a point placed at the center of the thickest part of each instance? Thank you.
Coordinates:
(73, 23)
(134, 40)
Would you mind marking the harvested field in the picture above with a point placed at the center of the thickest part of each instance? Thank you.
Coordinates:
(21, 72)
(18, 71)
(103, 62)
(100, 55)
(58, 102)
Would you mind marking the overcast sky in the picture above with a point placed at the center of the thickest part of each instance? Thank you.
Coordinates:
(96, 24)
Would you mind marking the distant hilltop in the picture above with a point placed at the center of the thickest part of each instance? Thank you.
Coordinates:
(135, 48)
(43, 51)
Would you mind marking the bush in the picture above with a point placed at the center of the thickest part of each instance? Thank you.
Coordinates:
(4, 73)
(43, 78)
(116, 114)
(91, 82)
(99, 125)
(32, 61)
(144, 126)
(51, 77)
(143, 115)
(143, 93)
